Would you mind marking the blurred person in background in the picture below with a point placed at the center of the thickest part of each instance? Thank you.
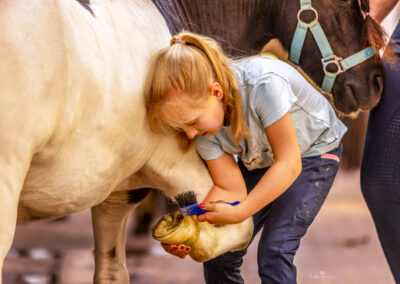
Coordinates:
(380, 169)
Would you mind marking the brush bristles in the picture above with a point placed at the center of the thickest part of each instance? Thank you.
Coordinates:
(186, 198)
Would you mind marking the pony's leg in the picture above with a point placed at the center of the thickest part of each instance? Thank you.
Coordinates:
(9, 195)
(110, 224)
(13, 170)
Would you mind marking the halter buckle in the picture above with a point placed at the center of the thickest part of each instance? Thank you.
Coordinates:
(332, 60)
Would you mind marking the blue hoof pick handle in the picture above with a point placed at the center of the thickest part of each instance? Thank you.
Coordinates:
(194, 209)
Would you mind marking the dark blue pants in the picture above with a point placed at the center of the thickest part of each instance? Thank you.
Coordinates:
(284, 222)
(380, 169)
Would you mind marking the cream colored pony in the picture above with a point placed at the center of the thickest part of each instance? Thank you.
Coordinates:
(73, 124)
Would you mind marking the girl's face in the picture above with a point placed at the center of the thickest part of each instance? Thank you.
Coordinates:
(206, 118)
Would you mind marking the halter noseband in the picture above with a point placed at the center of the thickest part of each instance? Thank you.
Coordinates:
(328, 57)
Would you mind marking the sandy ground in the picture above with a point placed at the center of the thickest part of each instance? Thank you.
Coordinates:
(340, 247)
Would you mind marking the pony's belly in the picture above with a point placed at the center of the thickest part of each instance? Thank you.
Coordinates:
(51, 199)
(57, 188)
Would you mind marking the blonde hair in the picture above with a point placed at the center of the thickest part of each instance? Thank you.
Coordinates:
(188, 65)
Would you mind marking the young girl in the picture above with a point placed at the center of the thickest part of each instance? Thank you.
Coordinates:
(285, 134)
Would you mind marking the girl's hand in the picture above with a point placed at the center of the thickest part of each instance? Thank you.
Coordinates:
(178, 250)
(221, 213)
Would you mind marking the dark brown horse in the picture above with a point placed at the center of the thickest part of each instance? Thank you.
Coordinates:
(243, 27)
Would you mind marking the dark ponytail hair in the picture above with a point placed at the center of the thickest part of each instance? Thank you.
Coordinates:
(374, 34)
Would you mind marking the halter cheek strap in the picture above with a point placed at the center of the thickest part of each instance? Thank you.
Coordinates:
(328, 57)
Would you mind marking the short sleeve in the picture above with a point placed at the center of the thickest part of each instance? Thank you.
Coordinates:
(208, 147)
(272, 98)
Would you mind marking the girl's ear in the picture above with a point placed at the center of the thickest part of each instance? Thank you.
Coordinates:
(216, 90)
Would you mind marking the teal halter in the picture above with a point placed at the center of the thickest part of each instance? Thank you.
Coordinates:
(328, 57)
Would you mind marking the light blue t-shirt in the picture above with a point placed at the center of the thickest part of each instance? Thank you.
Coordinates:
(270, 88)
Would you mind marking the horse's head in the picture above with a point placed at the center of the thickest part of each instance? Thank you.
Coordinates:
(243, 27)
(349, 31)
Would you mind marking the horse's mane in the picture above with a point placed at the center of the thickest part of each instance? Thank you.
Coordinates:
(374, 34)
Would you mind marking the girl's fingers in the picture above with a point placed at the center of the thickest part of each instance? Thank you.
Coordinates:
(178, 250)
(208, 206)
(219, 201)
(206, 217)
(182, 248)
(183, 251)
(170, 249)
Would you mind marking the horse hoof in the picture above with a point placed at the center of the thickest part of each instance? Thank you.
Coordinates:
(176, 229)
